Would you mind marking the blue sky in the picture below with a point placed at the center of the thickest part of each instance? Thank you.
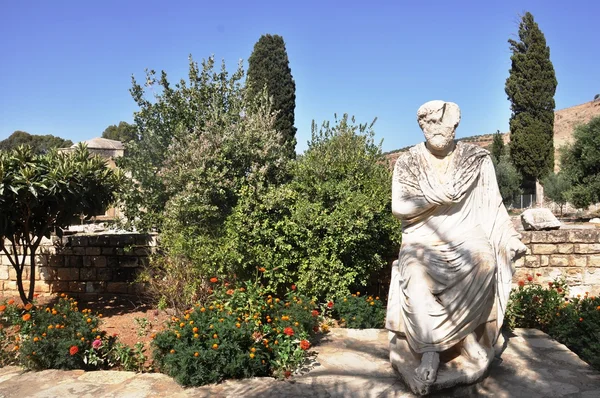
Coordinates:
(66, 66)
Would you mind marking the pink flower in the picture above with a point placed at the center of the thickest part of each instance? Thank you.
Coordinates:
(97, 344)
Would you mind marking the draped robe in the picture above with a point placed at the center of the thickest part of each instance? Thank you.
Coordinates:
(454, 269)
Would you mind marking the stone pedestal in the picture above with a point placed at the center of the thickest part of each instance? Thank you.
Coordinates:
(454, 369)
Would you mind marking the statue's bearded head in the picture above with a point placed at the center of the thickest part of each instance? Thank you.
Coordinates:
(438, 120)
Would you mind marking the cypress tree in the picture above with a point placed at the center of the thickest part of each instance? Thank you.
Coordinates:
(530, 88)
(269, 66)
(497, 149)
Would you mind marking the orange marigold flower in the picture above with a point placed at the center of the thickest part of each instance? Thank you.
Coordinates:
(529, 278)
(598, 308)
(289, 331)
(287, 374)
(2, 308)
(10, 302)
(251, 355)
(550, 284)
(262, 269)
(73, 350)
(215, 346)
(172, 351)
(315, 313)
(89, 320)
(230, 292)
(196, 354)
(293, 287)
(538, 274)
(26, 317)
(214, 279)
(28, 306)
(304, 344)
(521, 283)
(580, 319)
(242, 289)
(330, 304)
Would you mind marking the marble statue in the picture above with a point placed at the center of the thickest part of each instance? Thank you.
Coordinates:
(452, 279)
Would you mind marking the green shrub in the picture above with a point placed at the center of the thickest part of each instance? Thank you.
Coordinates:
(358, 312)
(240, 332)
(534, 306)
(575, 322)
(58, 337)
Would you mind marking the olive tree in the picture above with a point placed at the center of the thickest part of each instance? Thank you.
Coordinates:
(41, 192)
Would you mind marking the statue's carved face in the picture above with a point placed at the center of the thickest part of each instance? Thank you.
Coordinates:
(439, 120)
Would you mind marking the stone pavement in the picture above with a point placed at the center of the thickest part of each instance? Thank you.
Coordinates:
(349, 363)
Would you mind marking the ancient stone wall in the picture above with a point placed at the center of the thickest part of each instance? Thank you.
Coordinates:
(84, 264)
(571, 253)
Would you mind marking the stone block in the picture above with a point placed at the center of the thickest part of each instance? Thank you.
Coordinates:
(4, 272)
(128, 261)
(99, 240)
(48, 273)
(526, 237)
(78, 251)
(557, 236)
(538, 236)
(587, 248)
(593, 261)
(117, 287)
(559, 261)
(564, 248)
(143, 240)
(584, 236)
(136, 288)
(124, 274)
(544, 260)
(112, 262)
(574, 276)
(108, 251)
(95, 287)
(122, 240)
(531, 261)
(67, 274)
(59, 287)
(56, 260)
(103, 274)
(99, 261)
(544, 248)
(591, 276)
(577, 260)
(77, 287)
(78, 240)
(87, 274)
(539, 220)
(93, 251)
(74, 262)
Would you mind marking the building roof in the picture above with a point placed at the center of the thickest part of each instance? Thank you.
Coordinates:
(102, 143)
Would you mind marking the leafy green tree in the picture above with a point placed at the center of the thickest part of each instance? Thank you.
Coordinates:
(530, 89)
(556, 188)
(269, 66)
(497, 149)
(509, 179)
(580, 162)
(330, 227)
(123, 132)
(38, 143)
(174, 113)
(40, 192)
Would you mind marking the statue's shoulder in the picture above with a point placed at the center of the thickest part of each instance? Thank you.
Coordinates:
(467, 149)
(407, 157)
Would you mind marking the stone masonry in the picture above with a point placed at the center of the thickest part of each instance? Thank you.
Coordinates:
(570, 253)
(84, 264)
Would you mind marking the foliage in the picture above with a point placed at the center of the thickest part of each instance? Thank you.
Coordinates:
(240, 332)
(530, 88)
(330, 226)
(580, 163)
(41, 192)
(574, 322)
(556, 188)
(57, 337)
(498, 149)
(358, 312)
(534, 306)
(39, 144)
(508, 178)
(175, 117)
(269, 66)
(577, 326)
(123, 132)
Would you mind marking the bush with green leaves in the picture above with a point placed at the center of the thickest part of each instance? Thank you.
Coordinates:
(356, 312)
(240, 332)
(57, 336)
(330, 227)
(574, 322)
(532, 305)
(41, 192)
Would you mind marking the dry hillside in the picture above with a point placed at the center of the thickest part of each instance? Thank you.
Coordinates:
(565, 121)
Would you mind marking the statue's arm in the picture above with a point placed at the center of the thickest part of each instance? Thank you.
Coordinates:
(407, 201)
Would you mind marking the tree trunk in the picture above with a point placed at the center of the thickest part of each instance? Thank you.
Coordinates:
(31, 274)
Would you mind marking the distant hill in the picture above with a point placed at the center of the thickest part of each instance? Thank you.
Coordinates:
(565, 121)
